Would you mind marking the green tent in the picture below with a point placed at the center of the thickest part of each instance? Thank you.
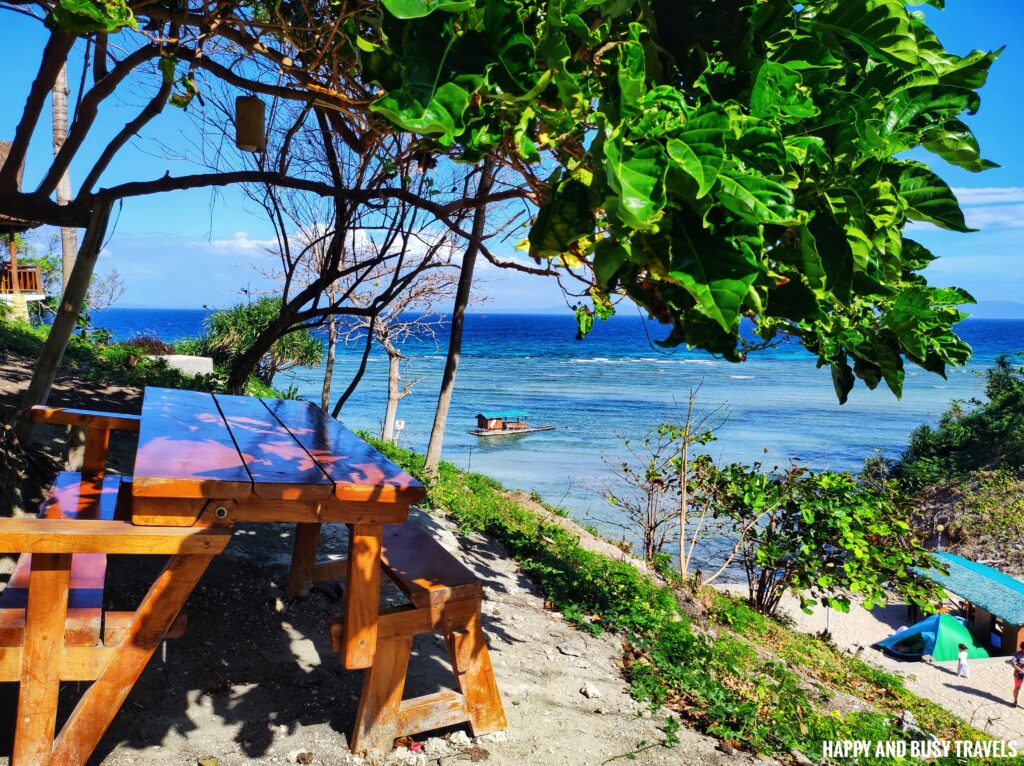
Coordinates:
(938, 636)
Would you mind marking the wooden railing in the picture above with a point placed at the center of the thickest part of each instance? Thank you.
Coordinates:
(28, 278)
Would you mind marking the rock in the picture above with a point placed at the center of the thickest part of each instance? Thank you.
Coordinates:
(906, 718)
(459, 739)
(726, 748)
(590, 691)
(278, 604)
(435, 747)
(572, 648)
(207, 761)
(299, 756)
(800, 758)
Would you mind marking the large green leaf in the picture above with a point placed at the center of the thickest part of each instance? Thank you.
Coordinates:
(756, 199)
(716, 275)
(92, 16)
(698, 148)
(829, 242)
(563, 220)
(415, 9)
(956, 144)
(636, 174)
(442, 115)
(929, 198)
(779, 93)
(881, 27)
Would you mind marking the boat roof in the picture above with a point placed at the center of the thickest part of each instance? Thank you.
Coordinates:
(503, 414)
(982, 585)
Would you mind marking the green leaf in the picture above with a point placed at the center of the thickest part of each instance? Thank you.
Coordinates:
(562, 221)
(756, 199)
(929, 198)
(716, 275)
(880, 27)
(779, 93)
(829, 242)
(956, 144)
(698, 148)
(609, 256)
(82, 17)
(442, 115)
(415, 9)
(637, 176)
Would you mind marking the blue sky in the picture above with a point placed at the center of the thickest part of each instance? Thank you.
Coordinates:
(177, 250)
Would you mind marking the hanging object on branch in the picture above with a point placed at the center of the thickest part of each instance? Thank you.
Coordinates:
(250, 124)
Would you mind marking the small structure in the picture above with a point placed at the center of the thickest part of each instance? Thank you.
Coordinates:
(993, 602)
(18, 284)
(505, 422)
(938, 637)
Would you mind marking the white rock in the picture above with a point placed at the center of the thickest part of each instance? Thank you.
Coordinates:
(590, 691)
(435, 746)
(494, 736)
(459, 739)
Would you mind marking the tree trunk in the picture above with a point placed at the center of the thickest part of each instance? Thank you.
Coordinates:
(451, 366)
(332, 344)
(394, 395)
(68, 235)
(246, 363)
(67, 315)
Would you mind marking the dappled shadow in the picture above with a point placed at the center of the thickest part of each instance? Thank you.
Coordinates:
(981, 693)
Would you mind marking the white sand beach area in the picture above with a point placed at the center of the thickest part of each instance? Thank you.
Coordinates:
(985, 700)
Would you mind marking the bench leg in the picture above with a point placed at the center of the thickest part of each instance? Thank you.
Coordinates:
(100, 703)
(307, 542)
(41, 659)
(475, 677)
(381, 701)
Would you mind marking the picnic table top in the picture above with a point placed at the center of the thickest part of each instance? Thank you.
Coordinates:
(200, 445)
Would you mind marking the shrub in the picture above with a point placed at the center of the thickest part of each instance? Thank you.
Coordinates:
(148, 344)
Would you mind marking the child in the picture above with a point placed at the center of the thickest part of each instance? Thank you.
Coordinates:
(961, 664)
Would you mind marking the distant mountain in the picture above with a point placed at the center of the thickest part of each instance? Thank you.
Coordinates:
(996, 310)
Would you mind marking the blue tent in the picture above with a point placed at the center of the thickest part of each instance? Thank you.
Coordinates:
(937, 636)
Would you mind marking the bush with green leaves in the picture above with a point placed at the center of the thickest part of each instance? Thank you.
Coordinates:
(974, 435)
(823, 537)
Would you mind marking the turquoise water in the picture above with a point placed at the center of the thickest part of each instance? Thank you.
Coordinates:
(616, 384)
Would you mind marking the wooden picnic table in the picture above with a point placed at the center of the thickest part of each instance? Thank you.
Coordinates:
(273, 460)
(204, 461)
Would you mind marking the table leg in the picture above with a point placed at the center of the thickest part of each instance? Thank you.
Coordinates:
(100, 703)
(307, 543)
(381, 701)
(41, 657)
(362, 595)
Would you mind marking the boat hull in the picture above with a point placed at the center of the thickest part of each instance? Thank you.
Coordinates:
(510, 431)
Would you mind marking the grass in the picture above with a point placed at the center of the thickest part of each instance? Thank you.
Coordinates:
(743, 677)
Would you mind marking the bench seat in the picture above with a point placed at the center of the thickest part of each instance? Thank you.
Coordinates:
(72, 497)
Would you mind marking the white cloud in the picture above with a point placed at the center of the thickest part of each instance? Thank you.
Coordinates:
(990, 195)
(996, 217)
(240, 244)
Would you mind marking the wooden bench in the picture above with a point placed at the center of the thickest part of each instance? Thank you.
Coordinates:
(52, 624)
(445, 598)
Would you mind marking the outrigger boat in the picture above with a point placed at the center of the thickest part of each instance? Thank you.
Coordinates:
(505, 423)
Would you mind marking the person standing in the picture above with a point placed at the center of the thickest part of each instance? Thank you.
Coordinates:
(961, 662)
(1017, 663)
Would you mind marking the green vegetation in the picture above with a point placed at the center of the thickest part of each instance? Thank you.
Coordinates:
(122, 364)
(721, 682)
(231, 332)
(822, 536)
(971, 436)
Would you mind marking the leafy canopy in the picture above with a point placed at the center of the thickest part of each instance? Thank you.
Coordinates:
(711, 160)
(714, 160)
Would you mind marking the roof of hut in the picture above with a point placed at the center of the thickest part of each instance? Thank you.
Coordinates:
(980, 584)
(7, 223)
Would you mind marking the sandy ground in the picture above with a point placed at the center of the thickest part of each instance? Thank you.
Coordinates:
(983, 700)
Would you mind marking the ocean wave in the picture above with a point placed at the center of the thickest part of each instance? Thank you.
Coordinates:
(742, 377)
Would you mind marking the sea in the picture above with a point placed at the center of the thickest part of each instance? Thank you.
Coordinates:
(615, 386)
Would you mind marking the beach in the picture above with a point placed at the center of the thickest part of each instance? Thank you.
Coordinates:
(984, 700)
